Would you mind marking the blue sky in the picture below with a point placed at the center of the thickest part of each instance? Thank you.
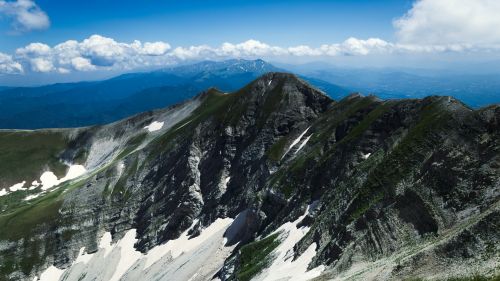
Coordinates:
(49, 40)
(212, 22)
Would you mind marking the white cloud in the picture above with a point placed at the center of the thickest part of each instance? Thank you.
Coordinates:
(443, 22)
(24, 14)
(82, 64)
(102, 53)
(41, 65)
(9, 66)
(154, 49)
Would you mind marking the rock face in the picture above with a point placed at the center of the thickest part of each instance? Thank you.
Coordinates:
(359, 188)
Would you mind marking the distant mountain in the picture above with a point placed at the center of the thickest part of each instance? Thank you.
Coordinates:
(275, 181)
(474, 90)
(91, 103)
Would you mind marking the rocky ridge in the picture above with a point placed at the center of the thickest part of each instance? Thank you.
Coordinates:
(359, 188)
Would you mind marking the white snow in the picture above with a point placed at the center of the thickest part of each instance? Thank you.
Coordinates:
(155, 126)
(303, 144)
(180, 259)
(295, 142)
(49, 179)
(183, 243)
(269, 83)
(74, 171)
(83, 257)
(283, 266)
(17, 186)
(51, 274)
(33, 196)
(128, 254)
(14, 188)
(365, 156)
(226, 181)
(105, 243)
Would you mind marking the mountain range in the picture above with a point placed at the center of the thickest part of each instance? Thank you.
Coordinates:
(101, 102)
(272, 181)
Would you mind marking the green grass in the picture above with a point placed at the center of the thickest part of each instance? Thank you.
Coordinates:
(23, 155)
(399, 163)
(255, 256)
(277, 149)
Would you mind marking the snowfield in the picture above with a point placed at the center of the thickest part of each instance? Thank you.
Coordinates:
(283, 267)
(155, 126)
(198, 258)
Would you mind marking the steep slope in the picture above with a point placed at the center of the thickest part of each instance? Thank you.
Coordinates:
(272, 181)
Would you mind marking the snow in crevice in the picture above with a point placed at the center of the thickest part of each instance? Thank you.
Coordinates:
(295, 142)
(303, 144)
(365, 156)
(155, 126)
(283, 267)
(198, 258)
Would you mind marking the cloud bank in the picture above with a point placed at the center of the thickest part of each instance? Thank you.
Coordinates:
(102, 53)
(434, 22)
(25, 15)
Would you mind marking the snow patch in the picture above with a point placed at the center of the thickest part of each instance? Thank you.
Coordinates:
(295, 142)
(283, 266)
(105, 243)
(128, 254)
(49, 179)
(14, 188)
(51, 274)
(365, 156)
(30, 197)
(180, 259)
(226, 181)
(183, 243)
(303, 144)
(269, 83)
(155, 126)
(17, 186)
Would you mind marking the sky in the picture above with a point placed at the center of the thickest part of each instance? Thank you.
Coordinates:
(50, 41)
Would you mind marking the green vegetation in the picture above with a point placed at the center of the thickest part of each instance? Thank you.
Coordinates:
(277, 149)
(23, 155)
(398, 164)
(255, 256)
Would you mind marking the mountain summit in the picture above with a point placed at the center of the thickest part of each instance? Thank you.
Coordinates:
(270, 182)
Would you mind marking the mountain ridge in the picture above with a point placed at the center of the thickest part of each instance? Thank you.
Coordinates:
(334, 183)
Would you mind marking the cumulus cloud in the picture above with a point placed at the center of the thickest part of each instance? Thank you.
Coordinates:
(102, 53)
(443, 22)
(25, 15)
(9, 66)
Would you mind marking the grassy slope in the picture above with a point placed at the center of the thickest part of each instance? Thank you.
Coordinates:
(24, 155)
